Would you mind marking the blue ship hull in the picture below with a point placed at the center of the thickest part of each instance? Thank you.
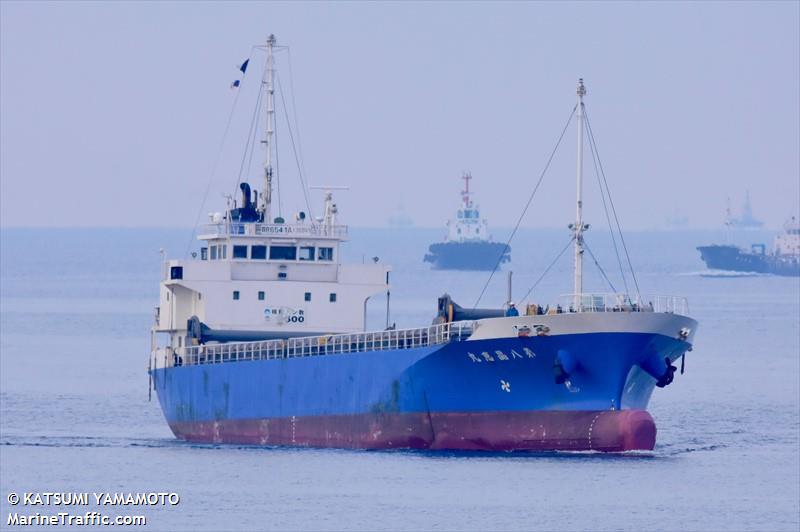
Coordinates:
(481, 255)
(494, 394)
(732, 258)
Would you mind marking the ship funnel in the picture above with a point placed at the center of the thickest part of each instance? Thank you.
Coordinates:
(246, 201)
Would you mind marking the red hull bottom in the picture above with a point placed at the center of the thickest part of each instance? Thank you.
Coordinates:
(610, 431)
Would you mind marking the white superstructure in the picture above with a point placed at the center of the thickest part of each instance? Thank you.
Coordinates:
(788, 243)
(468, 225)
(256, 277)
(285, 278)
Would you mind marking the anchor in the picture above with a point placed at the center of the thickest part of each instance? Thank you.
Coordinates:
(669, 374)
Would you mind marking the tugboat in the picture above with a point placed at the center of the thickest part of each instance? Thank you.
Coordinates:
(784, 259)
(260, 339)
(468, 245)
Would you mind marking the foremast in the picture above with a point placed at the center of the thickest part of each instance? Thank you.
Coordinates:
(579, 226)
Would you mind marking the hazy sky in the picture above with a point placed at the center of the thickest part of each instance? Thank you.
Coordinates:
(112, 113)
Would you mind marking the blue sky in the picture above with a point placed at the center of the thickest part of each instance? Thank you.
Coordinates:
(111, 114)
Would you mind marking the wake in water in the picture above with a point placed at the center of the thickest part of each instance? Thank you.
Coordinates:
(722, 274)
(106, 442)
(84, 441)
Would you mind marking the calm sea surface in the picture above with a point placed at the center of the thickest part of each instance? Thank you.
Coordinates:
(74, 411)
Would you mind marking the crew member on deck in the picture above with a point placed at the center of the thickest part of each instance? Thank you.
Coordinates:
(511, 310)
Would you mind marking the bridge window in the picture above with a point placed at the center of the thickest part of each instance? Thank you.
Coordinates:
(236, 295)
(239, 252)
(332, 298)
(308, 296)
(218, 252)
(325, 254)
(307, 253)
(258, 252)
(176, 272)
(261, 295)
(282, 253)
(203, 253)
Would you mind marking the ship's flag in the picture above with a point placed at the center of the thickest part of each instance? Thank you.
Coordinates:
(242, 69)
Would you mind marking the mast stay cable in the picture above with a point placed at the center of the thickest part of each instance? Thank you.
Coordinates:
(278, 171)
(592, 149)
(249, 146)
(294, 109)
(613, 209)
(214, 167)
(294, 150)
(602, 271)
(546, 270)
(525, 210)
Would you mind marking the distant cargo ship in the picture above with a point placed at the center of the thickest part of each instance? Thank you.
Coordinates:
(746, 220)
(783, 260)
(468, 245)
(677, 221)
(400, 218)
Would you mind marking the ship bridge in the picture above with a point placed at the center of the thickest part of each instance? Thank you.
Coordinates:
(787, 244)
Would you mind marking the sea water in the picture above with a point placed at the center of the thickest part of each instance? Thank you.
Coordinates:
(75, 413)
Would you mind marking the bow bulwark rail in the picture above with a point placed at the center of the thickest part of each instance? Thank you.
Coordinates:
(611, 302)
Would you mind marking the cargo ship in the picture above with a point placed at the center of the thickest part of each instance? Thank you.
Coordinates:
(783, 259)
(746, 220)
(260, 339)
(468, 244)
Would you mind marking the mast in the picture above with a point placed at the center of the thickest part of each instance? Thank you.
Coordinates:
(465, 193)
(579, 227)
(267, 194)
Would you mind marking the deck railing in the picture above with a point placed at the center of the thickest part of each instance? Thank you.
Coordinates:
(323, 345)
(278, 230)
(623, 303)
